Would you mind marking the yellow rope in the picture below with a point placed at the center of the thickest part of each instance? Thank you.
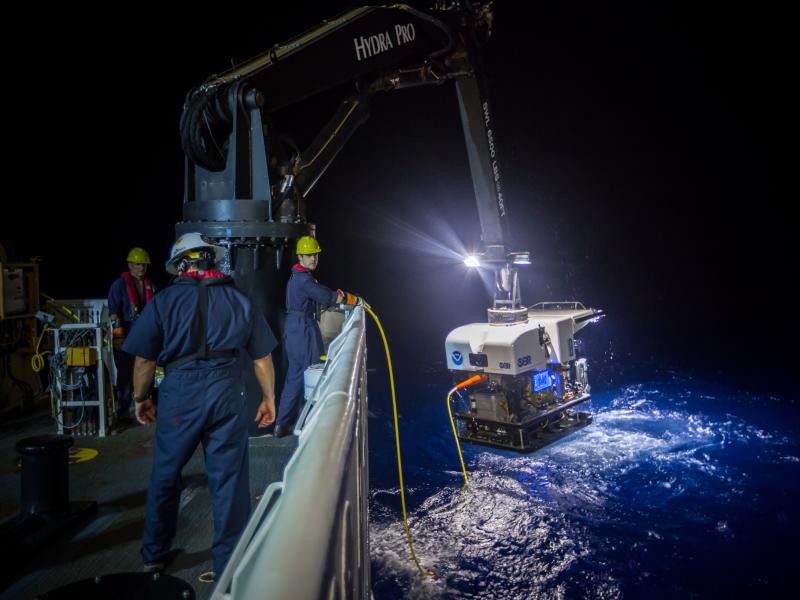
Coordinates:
(37, 360)
(422, 571)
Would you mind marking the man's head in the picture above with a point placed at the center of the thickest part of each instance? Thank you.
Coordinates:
(191, 252)
(138, 259)
(307, 251)
(309, 261)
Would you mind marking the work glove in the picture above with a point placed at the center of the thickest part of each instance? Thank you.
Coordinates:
(117, 330)
(350, 298)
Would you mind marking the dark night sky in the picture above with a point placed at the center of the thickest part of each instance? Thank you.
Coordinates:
(634, 142)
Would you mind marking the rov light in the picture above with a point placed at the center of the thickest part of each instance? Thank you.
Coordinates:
(598, 317)
(472, 261)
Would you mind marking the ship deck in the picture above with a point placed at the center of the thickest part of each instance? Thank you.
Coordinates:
(117, 479)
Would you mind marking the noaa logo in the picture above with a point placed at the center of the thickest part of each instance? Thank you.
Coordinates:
(457, 357)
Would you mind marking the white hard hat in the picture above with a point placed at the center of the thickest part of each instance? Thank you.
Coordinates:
(190, 242)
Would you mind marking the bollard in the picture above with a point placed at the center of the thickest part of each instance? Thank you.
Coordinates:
(45, 474)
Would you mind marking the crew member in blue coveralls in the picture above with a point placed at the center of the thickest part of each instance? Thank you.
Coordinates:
(197, 329)
(127, 298)
(302, 337)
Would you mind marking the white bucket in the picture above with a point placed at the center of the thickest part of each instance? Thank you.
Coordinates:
(310, 378)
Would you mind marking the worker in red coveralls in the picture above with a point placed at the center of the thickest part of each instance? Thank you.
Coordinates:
(126, 300)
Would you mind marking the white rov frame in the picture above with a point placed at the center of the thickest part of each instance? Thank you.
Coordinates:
(547, 336)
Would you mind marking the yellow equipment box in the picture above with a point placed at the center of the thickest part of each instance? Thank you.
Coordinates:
(81, 357)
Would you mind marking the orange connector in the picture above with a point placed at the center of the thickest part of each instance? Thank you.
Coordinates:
(479, 378)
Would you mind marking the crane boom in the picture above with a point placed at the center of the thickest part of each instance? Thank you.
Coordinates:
(246, 185)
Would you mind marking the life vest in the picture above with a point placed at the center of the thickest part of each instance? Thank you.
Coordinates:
(133, 297)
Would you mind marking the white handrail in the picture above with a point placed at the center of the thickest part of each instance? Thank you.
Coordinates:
(313, 541)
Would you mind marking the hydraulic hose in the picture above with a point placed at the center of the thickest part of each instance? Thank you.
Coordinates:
(422, 572)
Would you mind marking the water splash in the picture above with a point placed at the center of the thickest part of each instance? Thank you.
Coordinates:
(648, 490)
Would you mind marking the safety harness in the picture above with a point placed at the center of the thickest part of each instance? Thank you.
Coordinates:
(202, 352)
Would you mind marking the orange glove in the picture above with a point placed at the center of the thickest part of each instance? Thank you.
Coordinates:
(118, 332)
(350, 298)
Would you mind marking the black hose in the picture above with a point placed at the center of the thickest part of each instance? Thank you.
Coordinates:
(204, 128)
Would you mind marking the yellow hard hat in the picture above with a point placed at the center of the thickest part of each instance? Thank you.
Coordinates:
(139, 255)
(307, 245)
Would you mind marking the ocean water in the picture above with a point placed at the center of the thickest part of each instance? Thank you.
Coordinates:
(680, 488)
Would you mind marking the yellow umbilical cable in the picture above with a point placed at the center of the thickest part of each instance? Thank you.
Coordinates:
(455, 436)
(422, 571)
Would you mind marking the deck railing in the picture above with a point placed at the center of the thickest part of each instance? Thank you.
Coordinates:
(308, 537)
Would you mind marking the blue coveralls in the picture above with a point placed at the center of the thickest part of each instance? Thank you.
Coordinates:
(201, 401)
(119, 304)
(302, 338)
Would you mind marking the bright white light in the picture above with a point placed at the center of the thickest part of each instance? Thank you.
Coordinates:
(472, 261)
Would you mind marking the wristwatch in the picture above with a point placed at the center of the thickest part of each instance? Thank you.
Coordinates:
(138, 399)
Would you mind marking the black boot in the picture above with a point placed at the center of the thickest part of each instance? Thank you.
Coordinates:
(282, 431)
